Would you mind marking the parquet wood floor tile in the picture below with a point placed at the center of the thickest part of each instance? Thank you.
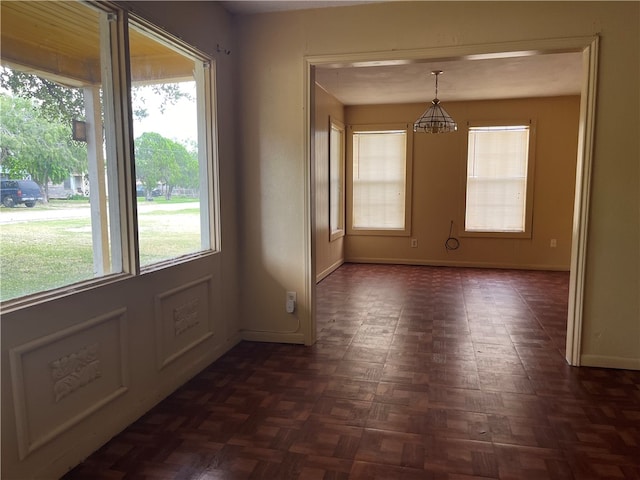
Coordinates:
(418, 373)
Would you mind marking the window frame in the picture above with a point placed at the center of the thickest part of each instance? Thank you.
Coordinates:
(336, 165)
(207, 131)
(392, 127)
(112, 33)
(530, 181)
(122, 212)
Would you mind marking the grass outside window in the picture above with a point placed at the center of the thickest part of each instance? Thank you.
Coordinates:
(47, 254)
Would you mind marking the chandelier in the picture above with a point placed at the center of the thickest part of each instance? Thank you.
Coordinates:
(435, 119)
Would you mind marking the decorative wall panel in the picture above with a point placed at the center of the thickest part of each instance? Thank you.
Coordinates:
(60, 379)
(184, 319)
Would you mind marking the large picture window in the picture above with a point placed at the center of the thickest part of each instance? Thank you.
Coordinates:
(380, 181)
(170, 105)
(64, 163)
(499, 180)
(56, 80)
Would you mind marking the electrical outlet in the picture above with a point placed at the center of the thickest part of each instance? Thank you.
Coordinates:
(553, 243)
(291, 302)
(414, 243)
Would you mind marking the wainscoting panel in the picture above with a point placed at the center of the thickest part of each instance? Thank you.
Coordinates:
(60, 379)
(184, 319)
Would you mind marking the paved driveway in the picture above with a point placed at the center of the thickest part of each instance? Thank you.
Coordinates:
(65, 212)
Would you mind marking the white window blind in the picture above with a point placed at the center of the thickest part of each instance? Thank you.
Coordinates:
(497, 164)
(336, 180)
(379, 179)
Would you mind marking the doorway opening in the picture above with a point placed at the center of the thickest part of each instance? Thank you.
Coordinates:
(587, 50)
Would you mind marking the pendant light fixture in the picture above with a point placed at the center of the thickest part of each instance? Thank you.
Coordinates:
(435, 119)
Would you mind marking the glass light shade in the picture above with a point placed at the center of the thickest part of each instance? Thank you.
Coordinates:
(435, 120)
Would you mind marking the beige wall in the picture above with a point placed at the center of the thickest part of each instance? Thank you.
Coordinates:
(274, 215)
(439, 166)
(329, 254)
(124, 319)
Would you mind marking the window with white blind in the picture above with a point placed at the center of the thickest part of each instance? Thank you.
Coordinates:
(380, 181)
(336, 179)
(499, 180)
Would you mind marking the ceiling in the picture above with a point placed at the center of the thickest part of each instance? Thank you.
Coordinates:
(249, 7)
(488, 79)
(61, 41)
(552, 74)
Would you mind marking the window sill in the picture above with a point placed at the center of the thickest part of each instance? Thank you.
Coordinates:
(27, 301)
(336, 235)
(176, 261)
(379, 233)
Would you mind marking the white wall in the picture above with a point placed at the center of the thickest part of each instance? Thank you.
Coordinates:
(274, 216)
(125, 321)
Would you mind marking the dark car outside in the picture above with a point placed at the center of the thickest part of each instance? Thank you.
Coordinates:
(142, 192)
(15, 192)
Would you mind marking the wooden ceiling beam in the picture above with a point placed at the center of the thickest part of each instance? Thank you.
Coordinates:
(60, 41)
(47, 63)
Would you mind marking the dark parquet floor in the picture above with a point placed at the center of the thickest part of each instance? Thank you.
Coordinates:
(418, 373)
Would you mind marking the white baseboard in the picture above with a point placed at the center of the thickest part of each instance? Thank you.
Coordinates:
(604, 361)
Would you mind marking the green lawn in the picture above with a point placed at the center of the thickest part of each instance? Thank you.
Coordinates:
(43, 255)
(168, 234)
(46, 254)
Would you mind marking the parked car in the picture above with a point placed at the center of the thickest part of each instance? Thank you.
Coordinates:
(141, 191)
(15, 192)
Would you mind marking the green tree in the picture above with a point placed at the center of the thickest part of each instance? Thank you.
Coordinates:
(35, 146)
(63, 103)
(188, 174)
(46, 152)
(55, 102)
(161, 160)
